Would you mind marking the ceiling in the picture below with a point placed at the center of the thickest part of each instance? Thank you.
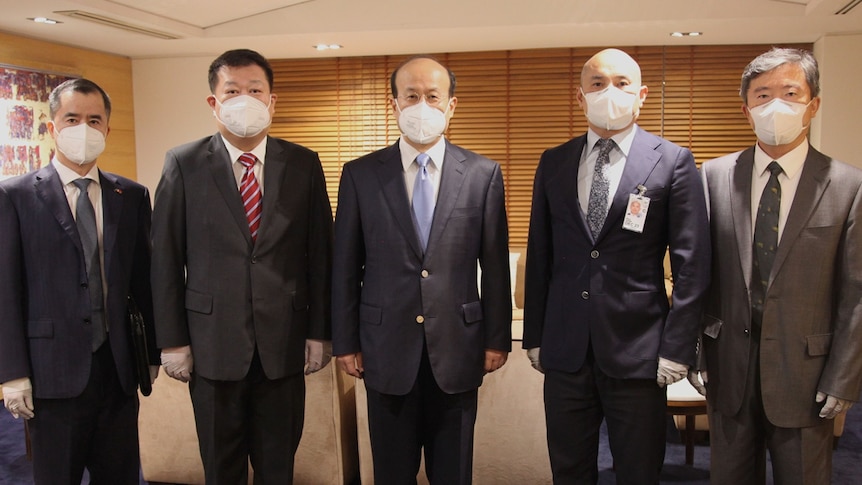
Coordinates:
(289, 28)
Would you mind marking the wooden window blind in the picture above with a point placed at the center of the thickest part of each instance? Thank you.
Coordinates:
(512, 105)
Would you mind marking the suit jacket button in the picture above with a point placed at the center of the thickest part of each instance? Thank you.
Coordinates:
(747, 331)
(83, 285)
(424, 273)
(420, 319)
(585, 295)
(594, 254)
(86, 321)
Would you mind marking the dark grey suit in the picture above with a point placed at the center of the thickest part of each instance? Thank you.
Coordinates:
(246, 309)
(812, 317)
(412, 314)
(85, 402)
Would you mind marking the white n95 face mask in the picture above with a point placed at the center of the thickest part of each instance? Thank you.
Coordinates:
(421, 123)
(778, 122)
(611, 108)
(80, 143)
(243, 115)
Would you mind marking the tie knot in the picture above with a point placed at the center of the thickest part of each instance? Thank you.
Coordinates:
(247, 160)
(422, 159)
(774, 168)
(82, 184)
(605, 146)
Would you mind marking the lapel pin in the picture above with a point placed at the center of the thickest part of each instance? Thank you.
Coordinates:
(119, 191)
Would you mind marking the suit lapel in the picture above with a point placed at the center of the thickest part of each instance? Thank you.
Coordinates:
(569, 177)
(222, 173)
(112, 208)
(49, 189)
(274, 170)
(740, 207)
(642, 159)
(812, 184)
(390, 173)
(453, 175)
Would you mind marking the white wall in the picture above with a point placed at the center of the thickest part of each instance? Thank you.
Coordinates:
(170, 104)
(170, 109)
(837, 133)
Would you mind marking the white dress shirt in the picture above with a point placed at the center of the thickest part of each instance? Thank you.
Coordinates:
(791, 165)
(238, 169)
(411, 167)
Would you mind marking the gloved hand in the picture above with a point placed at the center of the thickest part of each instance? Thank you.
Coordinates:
(698, 381)
(178, 362)
(669, 372)
(18, 397)
(154, 372)
(533, 355)
(318, 353)
(833, 407)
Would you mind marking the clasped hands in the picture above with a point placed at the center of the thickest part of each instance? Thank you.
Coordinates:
(668, 370)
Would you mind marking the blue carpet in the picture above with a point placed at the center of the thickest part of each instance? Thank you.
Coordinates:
(16, 470)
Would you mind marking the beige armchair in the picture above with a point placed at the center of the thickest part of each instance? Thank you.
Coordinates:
(327, 454)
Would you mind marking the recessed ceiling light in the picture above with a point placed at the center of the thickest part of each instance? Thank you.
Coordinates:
(323, 47)
(686, 34)
(44, 20)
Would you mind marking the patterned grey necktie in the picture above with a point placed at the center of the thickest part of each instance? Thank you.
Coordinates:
(85, 217)
(597, 209)
(765, 240)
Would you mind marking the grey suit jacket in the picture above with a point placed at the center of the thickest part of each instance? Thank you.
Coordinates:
(222, 294)
(812, 318)
(44, 302)
(390, 299)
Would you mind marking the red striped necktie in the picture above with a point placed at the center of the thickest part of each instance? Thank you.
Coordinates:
(249, 190)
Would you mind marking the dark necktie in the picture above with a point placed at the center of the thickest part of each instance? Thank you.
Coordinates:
(249, 190)
(423, 199)
(597, 209)
(85, 217)
(765, 240)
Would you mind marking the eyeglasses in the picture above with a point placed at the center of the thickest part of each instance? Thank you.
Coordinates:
(432, 100)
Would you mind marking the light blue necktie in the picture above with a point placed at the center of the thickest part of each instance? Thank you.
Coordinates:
(85, 217)
(423, 200)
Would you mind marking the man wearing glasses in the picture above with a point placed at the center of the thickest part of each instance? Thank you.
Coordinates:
(413, 220)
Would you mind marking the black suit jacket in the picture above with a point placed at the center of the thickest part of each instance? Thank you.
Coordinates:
(44, 301)
(390, 299)
(223, 295)
(610, 292)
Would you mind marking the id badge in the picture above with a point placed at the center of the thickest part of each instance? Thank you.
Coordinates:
(636, 212)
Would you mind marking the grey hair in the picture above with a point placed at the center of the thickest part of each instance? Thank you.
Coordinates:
(776, 57)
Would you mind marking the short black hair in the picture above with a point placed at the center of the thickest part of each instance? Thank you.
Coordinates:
(238, 58)
(421, 56)
(79, 85)
(776, 57)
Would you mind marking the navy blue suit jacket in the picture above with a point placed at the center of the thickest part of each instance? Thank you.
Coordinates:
(389, 299)
(610, 292)
(44, 301)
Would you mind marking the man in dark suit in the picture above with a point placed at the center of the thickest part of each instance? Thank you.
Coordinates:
(242, 237)
(782, 347)
(596, 304)
(413, 220)
(74, 245)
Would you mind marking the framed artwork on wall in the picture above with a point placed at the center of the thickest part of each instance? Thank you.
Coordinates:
(25, 143)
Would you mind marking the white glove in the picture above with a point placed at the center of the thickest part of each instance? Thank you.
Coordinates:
(18, 397)
(154, 372)
(318, 353)
(669, 372)
(178, 362)
(533, 355)
(833, 407)
(698, 381)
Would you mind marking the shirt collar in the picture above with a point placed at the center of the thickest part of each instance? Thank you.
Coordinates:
(67, 175)
(259, 151)
(623, 139)
(791, 163)
(436, 152)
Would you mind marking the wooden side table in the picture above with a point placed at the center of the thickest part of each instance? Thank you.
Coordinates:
(684, 400)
